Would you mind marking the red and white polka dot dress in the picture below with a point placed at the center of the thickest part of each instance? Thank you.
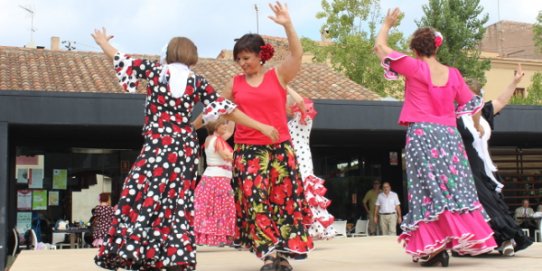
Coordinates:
(152, 225)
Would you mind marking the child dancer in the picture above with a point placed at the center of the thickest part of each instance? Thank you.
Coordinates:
(214, 222)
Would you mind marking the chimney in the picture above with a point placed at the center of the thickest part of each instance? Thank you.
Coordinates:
(55, 43)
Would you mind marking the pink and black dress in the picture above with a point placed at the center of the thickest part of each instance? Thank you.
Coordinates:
(444, 210)
(152, 226)
(214, 222)
(300, 129)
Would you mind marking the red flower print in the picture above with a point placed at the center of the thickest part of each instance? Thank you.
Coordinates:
(247, 187)
(253, 166)
(187, 151)
(167, 140)
(162, 188)
(172, 157)
(157, 171)
(209, 89)
(258, 181)
(263, 221)
(150, 253)
(171, 251)
(189, 90)
(125, 209)
(277, 196)
(291, 160)
(296, 244)
(419, 132)
(148, 202)
(161, 99)
(287, 186)
(290, 207)
(280, 157)
(164, 117)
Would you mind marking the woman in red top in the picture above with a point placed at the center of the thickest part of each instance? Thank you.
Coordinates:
(272, 214)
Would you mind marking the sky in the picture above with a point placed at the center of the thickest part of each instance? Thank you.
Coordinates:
(146, 26)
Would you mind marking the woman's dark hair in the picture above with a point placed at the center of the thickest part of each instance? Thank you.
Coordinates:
(182, 50)
(423, 41)
(249, 43)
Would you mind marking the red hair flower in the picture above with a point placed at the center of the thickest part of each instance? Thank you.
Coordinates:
(266, 52)
(438, 39)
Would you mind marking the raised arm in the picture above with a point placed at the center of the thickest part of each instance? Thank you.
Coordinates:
(102, 39)
(381, 44)
(508, 92)
(291, 65)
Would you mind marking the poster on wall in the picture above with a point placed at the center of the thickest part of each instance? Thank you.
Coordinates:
(39, 200)
(53, 198)
(24, 199)
(60, 179)
(24, 221)
(22, 175)
(35, 175)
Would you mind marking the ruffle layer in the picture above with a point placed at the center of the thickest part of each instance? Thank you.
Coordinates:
(220, 107)
(465, 233)
(322, 224)
(390, 74)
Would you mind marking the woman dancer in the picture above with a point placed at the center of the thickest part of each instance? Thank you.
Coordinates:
(214, 222)
(272, 214)
(508, 234)
(300, 129)
(444, 211)
(102, 216)
(152, 226)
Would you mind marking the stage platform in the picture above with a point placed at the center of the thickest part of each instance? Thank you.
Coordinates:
(344, 254)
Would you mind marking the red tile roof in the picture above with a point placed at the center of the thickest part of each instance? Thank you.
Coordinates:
(76, 71)
(511, 39)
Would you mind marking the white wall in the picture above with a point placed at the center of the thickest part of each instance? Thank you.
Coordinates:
(86, 199)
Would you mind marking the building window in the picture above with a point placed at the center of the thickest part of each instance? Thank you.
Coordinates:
(520, 93)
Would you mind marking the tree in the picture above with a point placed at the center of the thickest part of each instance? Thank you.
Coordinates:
(534, 92)
(537, 31)
(351, 27)
(461, 22)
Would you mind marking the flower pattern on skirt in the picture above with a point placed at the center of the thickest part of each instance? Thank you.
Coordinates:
(214, 206)
(441, 188)
(272, 214)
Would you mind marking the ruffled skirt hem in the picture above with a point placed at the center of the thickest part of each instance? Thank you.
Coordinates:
(465, 233)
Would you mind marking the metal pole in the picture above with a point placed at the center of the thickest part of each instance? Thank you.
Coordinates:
(257, 19)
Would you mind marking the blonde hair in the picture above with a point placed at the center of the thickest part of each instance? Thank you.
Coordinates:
(211, 126)
(182, 50)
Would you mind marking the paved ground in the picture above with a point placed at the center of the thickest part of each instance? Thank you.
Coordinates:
(344, 254)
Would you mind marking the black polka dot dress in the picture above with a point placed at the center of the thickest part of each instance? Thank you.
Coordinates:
(152, 223)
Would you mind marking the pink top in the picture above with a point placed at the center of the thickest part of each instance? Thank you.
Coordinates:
(265, 103)
(425, 102)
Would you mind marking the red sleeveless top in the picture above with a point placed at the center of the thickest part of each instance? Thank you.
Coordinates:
(265, 103)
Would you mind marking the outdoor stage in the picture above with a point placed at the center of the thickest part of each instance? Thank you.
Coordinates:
(344, 254)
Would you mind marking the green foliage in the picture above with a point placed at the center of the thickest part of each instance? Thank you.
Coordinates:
(537, 31)
(351, 26)
(534, 92)
(461, 22)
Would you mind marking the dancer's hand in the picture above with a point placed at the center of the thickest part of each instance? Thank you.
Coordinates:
(282, 16)
(270, 132)
(480, 129)
(100, 36)
(518, 74)
(392, 17)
